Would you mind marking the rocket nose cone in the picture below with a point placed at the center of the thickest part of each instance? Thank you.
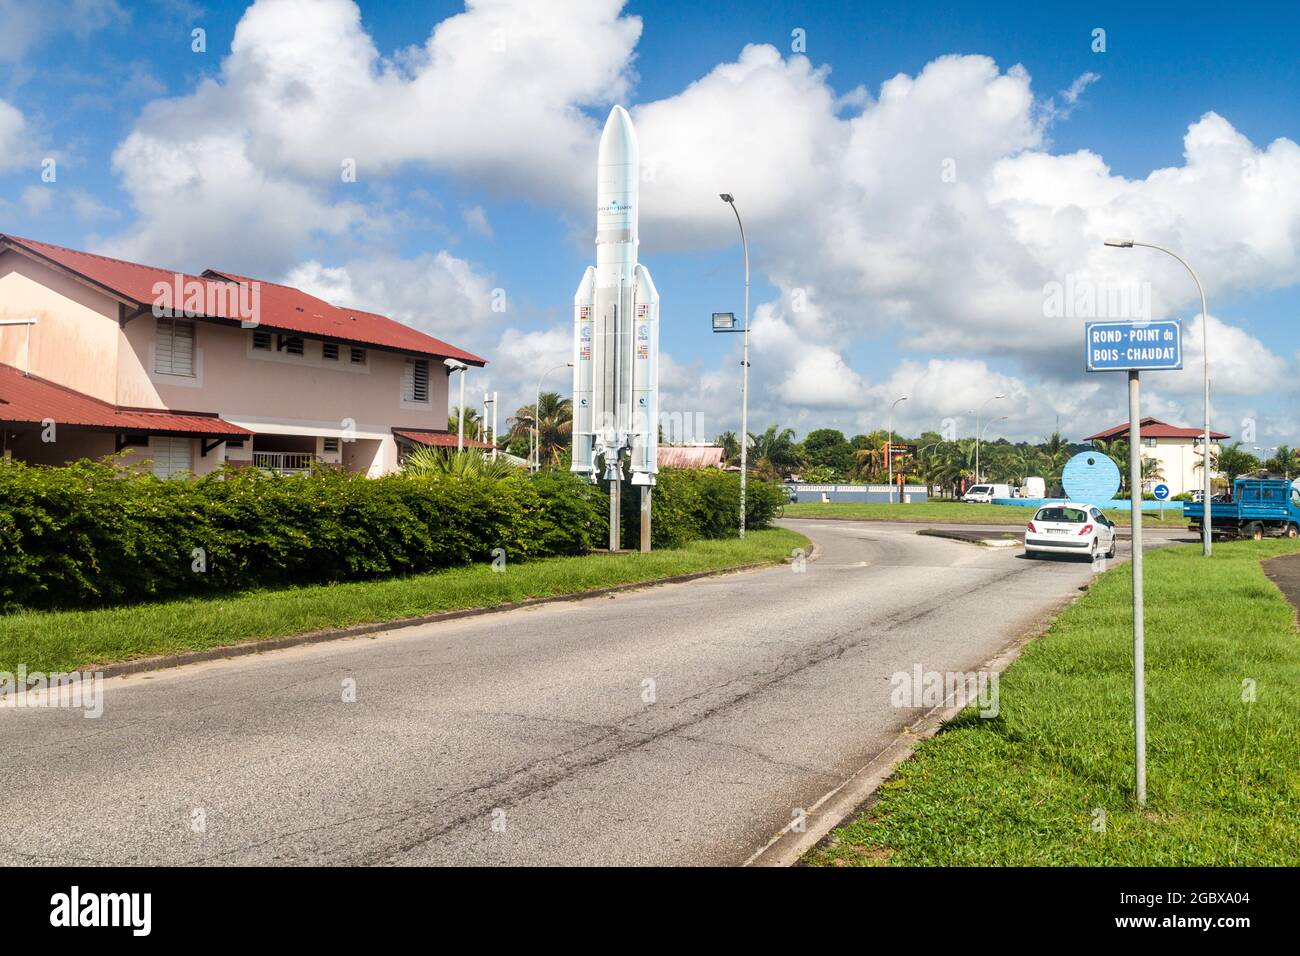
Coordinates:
(618, 144)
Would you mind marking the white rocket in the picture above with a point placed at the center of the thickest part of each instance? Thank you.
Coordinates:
(616, 326)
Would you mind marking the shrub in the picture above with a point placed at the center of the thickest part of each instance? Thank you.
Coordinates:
(693, 503)
(92, 534)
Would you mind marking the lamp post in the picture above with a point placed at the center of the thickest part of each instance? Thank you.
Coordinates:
(455, 366)
(537, 416)
(977, 434)
(730, 200)
(889, 448)
(1207, 546)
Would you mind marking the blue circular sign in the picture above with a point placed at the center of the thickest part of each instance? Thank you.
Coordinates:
(1161, 492)
(1090, 477)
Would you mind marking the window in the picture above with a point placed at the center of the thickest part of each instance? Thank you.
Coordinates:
(174, 349)
(235, 443)
(330, 351)
(358, 356)
(1149, 442)
(134, 440)
(331, 446)
(291, 344)
(262, 340)
(171, 456)
(415, 381)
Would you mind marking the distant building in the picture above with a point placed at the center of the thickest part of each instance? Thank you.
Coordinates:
(1178, 450)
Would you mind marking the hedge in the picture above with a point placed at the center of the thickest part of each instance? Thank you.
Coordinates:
(91, 534)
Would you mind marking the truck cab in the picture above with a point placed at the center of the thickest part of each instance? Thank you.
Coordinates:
(1259, 508)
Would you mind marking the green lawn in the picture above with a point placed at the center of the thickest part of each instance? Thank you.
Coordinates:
(65, 640)
(1022, 788)
(949, 512)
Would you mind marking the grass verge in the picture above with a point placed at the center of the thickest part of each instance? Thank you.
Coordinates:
(951, 512)
(1029, 786)
(66, 640)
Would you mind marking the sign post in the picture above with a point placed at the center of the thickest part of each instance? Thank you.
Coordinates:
(1161, 491)
(1135, 347)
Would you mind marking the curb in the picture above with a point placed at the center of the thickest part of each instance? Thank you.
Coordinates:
(163, 662)
(856, 793)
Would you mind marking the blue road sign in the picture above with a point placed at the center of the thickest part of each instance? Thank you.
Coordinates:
(1130, 346)
(1161, 492)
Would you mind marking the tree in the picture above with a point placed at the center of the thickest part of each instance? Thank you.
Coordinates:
(472, 422)
(1283, 461)
(730, 446)
(774, 453)
(555, 424)
(828, 448)
(1232, 461)
(1052, 456)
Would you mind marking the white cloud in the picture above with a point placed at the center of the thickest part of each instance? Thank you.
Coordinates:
(16, 147)
(28, 24)
(477, 221)
(253, 157)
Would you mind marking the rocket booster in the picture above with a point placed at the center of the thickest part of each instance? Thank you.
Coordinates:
(616, 326)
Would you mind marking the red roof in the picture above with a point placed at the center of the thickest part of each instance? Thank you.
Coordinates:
(1154, 428)
(281, 307)
(436, 439)
(27, 399)
(697, 456)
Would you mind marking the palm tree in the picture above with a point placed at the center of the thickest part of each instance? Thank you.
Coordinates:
(445, 463)
(555, 425)
(730, 446)
(472, 423)
(1283, 461)
(1052, 456)
(774, 453)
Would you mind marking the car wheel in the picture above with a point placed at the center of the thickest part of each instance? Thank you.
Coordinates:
(1114, 546)
(1257, 532)
(1292, 531)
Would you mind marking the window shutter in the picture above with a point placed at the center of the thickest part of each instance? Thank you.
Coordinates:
(415, 381)
(174, 348)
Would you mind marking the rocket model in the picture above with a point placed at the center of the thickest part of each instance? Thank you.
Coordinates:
(616, 327)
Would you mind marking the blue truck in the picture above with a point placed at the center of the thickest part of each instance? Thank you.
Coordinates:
(1259, 507)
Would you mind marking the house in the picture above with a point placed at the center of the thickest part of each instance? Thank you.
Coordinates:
(1176, 450)
(99, 356)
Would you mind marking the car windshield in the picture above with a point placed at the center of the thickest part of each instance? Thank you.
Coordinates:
(979, 489)
(1065, 515)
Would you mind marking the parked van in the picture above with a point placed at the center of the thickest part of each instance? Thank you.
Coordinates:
(986, 493)
(1034, 488)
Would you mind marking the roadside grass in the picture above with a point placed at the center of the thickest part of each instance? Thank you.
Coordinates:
(1026, 787)
(951, 512)
(54, 641)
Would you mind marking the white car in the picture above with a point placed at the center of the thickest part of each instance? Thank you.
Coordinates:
(1070, 527)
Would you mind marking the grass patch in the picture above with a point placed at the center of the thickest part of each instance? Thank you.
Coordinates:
(950, 512)
(1022, 788)
(66, 640)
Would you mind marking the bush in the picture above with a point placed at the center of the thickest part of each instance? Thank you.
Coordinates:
(693, 503)
(89, 534)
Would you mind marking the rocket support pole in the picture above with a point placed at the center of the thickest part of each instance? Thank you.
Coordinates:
(615, 513)
(646, 492)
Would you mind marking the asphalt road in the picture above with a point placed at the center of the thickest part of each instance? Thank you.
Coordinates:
(674, 725)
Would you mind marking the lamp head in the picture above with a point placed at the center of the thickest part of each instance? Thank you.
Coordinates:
(1120, 243)
(727, 197)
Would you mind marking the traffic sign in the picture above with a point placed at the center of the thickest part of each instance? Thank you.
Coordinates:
(1134, 346)
(1161, 492)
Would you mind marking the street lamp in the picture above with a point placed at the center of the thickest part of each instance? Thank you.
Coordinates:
(730, 200)
(1206, 538)
(977, 434)
(537, 416)
(455, 366)
(889, 448)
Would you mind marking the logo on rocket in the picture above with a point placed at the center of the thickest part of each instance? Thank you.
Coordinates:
(616, 327)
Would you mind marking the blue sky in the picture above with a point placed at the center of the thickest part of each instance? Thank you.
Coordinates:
(933, 293)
